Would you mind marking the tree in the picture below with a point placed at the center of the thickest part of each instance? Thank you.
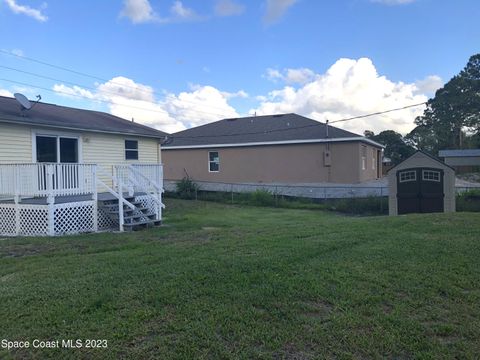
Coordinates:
(396, 148)
(453, 114)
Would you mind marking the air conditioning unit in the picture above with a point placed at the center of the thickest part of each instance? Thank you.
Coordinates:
(327, 158)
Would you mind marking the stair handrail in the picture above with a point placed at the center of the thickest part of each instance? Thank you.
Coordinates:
(112, 191)
(157, 195)
(141, 187)
(136, 171)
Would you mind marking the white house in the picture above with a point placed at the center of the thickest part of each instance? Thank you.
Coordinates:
(66, 170)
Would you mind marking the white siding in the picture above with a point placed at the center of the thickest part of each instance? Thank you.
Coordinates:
(15, 144)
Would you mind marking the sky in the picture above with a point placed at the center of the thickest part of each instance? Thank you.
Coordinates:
(174, 64)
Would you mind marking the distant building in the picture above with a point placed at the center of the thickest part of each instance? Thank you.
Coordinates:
(467, 160)
(285, 148)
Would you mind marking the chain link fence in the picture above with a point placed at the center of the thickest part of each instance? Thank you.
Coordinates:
(351, 199)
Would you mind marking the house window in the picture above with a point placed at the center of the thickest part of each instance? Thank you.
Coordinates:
(429, 175)
(374, 160)
(54, 149)
(131, 150)
(406, 176)
(213, 161)
(364, 157)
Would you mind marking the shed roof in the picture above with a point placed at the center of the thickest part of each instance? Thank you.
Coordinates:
(459, 153)
(260, 130)
(424, 154)
(56, 116)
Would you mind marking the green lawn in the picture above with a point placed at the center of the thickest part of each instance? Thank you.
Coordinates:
(221, 281)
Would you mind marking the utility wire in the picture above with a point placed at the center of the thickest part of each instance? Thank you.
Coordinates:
(93, 89)
(378, 113)
(99, 100)
(305, 126)
(85, 75)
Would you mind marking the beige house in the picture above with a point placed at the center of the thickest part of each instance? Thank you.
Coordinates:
(58, 160)
(421, 184)
(286, 148)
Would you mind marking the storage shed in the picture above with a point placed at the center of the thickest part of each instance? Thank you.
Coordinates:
(421, 184)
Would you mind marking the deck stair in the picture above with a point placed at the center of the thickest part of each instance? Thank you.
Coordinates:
(133, 219)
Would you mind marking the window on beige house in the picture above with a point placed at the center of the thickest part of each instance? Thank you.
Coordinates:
(364, 157)
(213, 161)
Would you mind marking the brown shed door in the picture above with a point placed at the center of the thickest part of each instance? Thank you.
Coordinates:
(420, 190)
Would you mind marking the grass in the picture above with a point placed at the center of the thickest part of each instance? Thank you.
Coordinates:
(222, 281)
(354, 206)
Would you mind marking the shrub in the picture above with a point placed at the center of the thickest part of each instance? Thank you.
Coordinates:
(262, 198)
(186, 188)
(469, 201)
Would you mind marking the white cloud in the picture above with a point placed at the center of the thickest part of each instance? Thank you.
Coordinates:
(393, 2)
(239, 94)
(128, 99)
(179, 11)
(228, 8)
(17, 52)
(429, 85)
(27, 10)
(276, 9)
(290, 76)
(202, 105)
(4, 92)
(349, 88)
(141, 11)
(138, 11)
(73, 92)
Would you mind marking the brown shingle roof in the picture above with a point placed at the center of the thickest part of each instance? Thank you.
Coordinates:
(52, 115)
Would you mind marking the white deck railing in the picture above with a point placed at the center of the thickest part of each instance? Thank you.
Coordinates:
(141, 177)
(43, 179)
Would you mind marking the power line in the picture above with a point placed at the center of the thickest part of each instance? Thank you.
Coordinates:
(378, 113)
(91, 88)
(100, 100)
(305, 126)
(86, 75)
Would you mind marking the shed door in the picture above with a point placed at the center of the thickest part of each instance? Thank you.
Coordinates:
(420, 190)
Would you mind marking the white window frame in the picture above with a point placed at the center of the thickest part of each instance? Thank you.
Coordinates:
(432, 172)
(137, 149)
(217, 162)
(374, 159)
(57, 135)
(407, 179)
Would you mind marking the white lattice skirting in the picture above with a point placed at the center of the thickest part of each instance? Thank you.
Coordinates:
(35, 220)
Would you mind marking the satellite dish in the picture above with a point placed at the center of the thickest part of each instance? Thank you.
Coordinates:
(22, 99)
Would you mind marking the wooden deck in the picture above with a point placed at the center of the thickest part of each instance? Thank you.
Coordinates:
(103, 196)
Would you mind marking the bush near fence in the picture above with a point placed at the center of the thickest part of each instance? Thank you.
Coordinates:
(469, 200)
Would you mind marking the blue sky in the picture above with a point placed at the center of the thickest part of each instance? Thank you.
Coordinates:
(175, 64)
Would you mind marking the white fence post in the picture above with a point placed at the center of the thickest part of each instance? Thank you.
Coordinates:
(95, 198)
(16, 182)
(50, 200)
(120, 202)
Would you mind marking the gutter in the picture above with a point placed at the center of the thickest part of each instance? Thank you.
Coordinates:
(284, 142)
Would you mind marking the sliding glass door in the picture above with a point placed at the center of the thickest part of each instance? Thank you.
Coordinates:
(58, 149)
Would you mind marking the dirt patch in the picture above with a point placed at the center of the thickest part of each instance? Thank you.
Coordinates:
(7, 277)
(210, 228)
(319, 309)
(291, 352)
(15, 251)
(387, 308)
